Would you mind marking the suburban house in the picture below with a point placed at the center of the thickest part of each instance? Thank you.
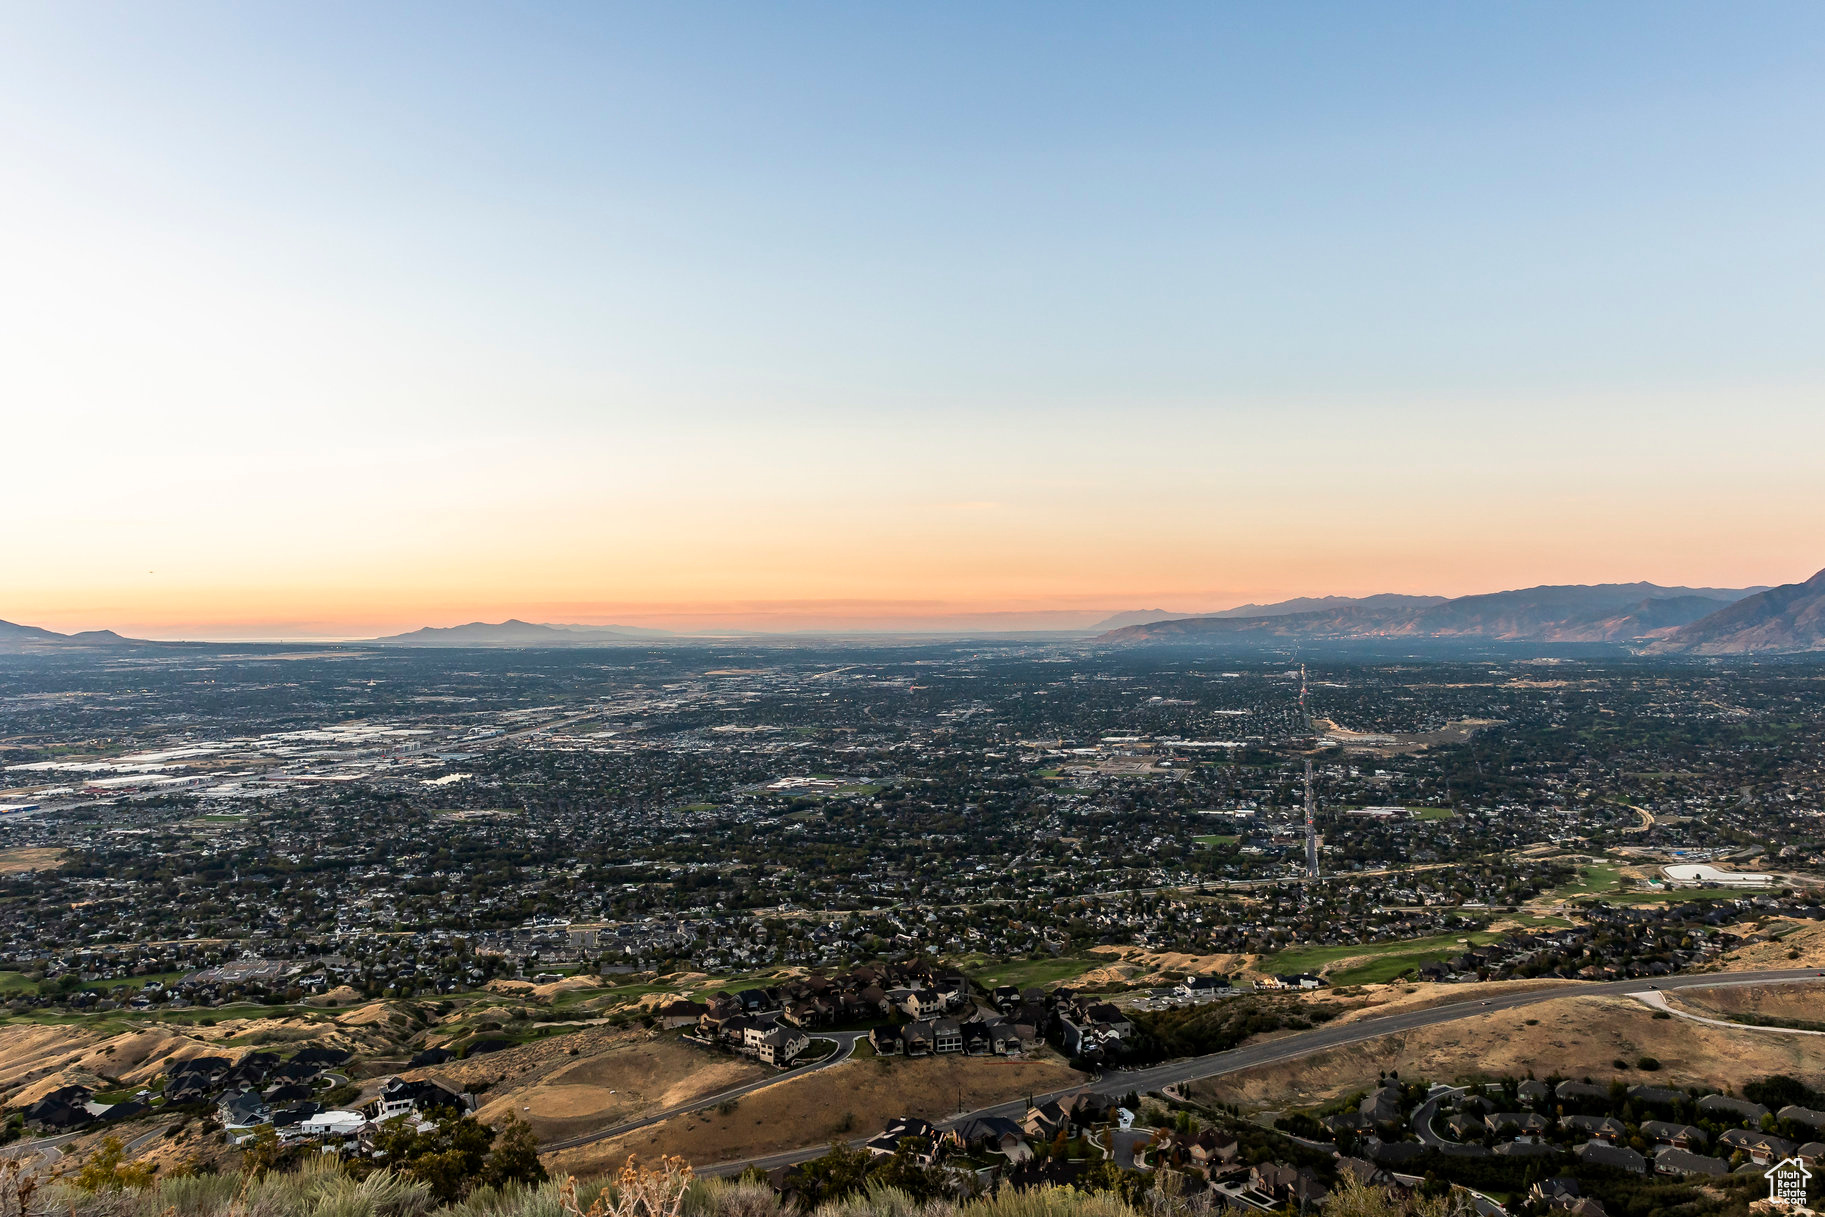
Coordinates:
(1679, 1136)
(399, 1097)
(1091, 1029)
(1201, 986)
(680, 1014)
(1602, 1128)
(330, 1126)
(1618, 1157)
(1802, 1115)
(1294, 980)
(1212, 1148)
(780, 1045)
(1671, 1161)
(243, 1110)
(908, 1133)
(1287, 1185)
(995, 1134)
(1762, 1148)
(1725, 1107)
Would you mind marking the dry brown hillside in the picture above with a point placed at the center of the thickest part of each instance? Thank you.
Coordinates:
(1573, 1036)
(848, 1100)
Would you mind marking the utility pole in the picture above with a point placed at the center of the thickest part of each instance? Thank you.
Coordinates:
(1311, 823)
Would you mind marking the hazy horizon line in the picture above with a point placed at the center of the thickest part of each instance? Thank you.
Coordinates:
(807, 617)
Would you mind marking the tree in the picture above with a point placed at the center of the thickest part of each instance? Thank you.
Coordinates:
(264, 1153)
(837, 1174)
(902, 1170)
(448, 1157)
(515, 1156)
(107, 1169)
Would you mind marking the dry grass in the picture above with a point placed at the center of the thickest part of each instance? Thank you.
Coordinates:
(1573, 1036)
(850, 1100)
(18, 861)
(1372, 1001)
(37, 1059)
(1134, 965)
(1806, 937)
(616, 1076)
(1802, 1001)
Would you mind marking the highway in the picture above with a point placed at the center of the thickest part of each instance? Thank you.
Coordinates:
(1275, 1051)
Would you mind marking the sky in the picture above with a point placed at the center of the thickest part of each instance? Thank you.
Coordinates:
(335, 319)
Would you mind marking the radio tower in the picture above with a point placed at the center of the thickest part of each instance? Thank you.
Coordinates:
(1311, 827)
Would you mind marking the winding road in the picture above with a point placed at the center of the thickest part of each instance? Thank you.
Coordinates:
(845, 1041)
(1270, 1052)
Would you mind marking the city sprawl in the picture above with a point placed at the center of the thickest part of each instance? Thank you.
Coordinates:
(1056, 870)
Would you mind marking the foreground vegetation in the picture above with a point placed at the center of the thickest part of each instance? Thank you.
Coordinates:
(321, 1187)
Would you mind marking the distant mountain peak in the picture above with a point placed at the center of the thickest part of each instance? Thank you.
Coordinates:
(31, 637)
(1116, 621)
(516, 633)
(1785, 619)
(1606, 612)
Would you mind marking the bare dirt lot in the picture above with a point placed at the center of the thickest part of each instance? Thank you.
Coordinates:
(1574, 1036)
(849, 1100)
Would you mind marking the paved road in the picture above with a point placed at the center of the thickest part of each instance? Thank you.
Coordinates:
(845, 1046)
(1305, 1043)
(146, 1138)
(1659, 1002)
(1423, 1114)
(49, 1148)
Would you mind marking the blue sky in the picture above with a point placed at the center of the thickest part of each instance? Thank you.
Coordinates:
(733, 254)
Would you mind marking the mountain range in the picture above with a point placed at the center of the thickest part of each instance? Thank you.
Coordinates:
(1642, 616)
(31, 638)
(1661, 620)
(515, 633)
(1782, 619)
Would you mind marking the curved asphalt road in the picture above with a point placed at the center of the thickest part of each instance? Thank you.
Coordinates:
(1659, 1002)
(1271, 1052)
(845, 1046)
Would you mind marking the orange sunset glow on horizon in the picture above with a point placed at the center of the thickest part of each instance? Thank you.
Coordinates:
(910, 321)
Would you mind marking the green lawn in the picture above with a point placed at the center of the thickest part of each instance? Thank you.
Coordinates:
(1390, 958)
(733, 984)
(1216, 839)
(15, 983)
(1027, 973)
(1431, 813)
(1604, 881)
(133, 981)
(1598, 879)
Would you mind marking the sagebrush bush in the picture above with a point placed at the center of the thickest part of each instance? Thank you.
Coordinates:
(320, 1188)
